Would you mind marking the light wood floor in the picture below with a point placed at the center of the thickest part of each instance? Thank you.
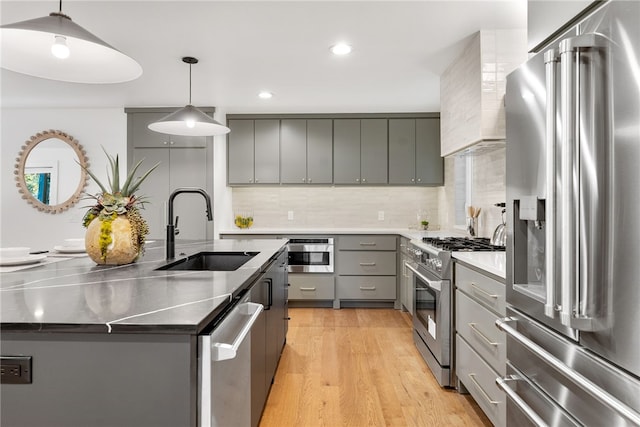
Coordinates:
(359, 367)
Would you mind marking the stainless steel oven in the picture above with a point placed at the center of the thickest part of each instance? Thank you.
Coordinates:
(432, 322)
(311, 255)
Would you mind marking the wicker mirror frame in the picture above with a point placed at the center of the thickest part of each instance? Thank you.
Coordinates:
(21, 161)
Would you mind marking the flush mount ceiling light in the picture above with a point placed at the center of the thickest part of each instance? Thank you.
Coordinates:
(189, 120)
(54, 47)
(341, 49)
(265, 95)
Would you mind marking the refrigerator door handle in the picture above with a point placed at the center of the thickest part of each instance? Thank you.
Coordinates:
(518, 401)
(573, 311)
(550, 63)
(588, 386)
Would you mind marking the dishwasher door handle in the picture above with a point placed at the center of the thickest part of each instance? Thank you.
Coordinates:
(224, 351)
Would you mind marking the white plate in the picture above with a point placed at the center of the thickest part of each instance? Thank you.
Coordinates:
(70, 249)
(31, 259)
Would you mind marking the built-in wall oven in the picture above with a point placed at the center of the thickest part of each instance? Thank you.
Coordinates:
(311, 255)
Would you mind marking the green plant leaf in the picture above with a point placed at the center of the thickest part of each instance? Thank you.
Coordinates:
(139, 181)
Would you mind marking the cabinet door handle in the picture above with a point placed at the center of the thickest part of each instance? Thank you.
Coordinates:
(419, 179)
(367, 243)
(357, 179)
(364, 180)
(304, 180)
(481, 390)
(475, 329)
(367, 264)
(309, 180)
(367, 288)
(413, 180)
(482, 291)
(308, 289)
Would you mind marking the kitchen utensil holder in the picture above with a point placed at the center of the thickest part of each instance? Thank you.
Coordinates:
(472, 226)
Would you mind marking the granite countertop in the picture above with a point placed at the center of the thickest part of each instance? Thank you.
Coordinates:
(76, 295)
(491, 262)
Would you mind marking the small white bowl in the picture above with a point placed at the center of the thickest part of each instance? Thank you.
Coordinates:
(18, 252)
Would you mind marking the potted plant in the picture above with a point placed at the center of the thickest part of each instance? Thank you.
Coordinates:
(425, 225)
(116, 230)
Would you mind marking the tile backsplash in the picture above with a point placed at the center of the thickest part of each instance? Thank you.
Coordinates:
(346, 207)
(338, 207)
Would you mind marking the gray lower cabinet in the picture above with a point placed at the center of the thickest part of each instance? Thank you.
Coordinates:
(184, 162)
(305, 286)
(366, 266)
(306, 151)
(480, 346)
(414, 152)
(253, 151)
(360, 151)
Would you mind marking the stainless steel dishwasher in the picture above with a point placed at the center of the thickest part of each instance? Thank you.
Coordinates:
(225, 369)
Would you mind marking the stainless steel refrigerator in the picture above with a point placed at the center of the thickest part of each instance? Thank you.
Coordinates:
(573, 246)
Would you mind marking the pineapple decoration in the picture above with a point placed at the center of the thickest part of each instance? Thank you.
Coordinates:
(116, 231)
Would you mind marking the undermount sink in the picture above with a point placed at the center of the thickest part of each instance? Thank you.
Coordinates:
(211, 261)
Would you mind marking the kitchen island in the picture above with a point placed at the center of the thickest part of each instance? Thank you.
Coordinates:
(115, 345)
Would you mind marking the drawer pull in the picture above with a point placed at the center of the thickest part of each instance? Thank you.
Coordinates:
(484, 393)
(367, 264)
(308, 289)
(367, 243)
(482, 291)
(475, 329)
(367, 288)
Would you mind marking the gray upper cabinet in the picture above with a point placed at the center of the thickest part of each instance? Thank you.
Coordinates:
(360, 151)
(320, 151)
(414, 152)
(305, 151)
(253, 152)
(266, 149)
(145, 137)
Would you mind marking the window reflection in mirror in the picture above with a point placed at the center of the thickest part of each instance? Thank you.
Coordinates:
(48, 171)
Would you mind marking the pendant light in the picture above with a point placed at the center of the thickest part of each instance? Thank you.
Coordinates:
(54, 47)
(189, 120)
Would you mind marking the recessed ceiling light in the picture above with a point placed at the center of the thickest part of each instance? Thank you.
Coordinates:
(265, 95)
(341, 49)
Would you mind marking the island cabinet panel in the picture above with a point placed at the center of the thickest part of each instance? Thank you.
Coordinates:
(124, 380)
(480, 346)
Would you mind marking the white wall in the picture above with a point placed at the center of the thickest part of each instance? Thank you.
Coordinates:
(20, 223)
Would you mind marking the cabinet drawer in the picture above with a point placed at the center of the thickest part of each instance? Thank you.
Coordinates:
(477, 325)
(367, 287)
(367, 243)
(480, 380)
(359, 263)
(311, 286)
(487, 291)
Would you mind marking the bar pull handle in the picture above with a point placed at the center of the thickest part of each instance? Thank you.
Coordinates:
(436, 285)
(550, 62)
(475, 329)
(481, 390)
(482, 291)
(367, 264)
(367, 243)
(367, 288)
(518, 401)
(308, 289)
(572, 375)
(224, 351)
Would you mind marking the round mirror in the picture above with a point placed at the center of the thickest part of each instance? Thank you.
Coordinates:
(48, 172)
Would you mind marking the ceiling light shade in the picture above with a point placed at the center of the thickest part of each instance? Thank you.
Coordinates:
(28, 47)
(189, 120)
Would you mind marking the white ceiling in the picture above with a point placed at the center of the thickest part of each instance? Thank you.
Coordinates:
(400, 49)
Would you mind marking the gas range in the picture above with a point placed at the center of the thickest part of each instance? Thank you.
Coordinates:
(434, 253)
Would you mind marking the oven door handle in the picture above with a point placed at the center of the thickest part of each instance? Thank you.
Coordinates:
(436, 285)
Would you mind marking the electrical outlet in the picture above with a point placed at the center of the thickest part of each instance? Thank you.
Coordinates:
(290, 215)
(380, 215)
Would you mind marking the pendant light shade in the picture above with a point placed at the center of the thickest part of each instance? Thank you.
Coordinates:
(189, 120)
(54, 47)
